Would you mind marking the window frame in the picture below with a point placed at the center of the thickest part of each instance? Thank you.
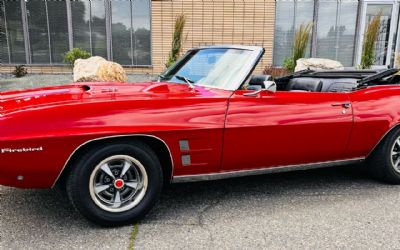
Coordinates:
(314, 34)
(108, 27)
(295, 10)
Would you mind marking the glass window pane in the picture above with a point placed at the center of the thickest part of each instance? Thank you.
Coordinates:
(305, 15)
(382, 43)
(395, 41)
(98, 25)
(142, 35)
(326, 29)
(38, 34)
(121, 32)
(347, 32)
(336, 30)
(288, 17)
(284, 30)
(3, 37)
(80, 11)
(58, 24)
(15, 31)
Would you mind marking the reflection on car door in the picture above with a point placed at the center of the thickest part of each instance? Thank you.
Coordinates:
(285, 128)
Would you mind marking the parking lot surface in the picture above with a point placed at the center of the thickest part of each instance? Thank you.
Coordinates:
(328, 208)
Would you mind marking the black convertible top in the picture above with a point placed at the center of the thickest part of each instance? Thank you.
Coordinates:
(364, 76)
(336, 80)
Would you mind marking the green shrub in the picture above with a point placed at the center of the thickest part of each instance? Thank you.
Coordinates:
(178, 40)
(300, 43)
(371, 34)
(289, 64)
(75, 53)
(20, 71)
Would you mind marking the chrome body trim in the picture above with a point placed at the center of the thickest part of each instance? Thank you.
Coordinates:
(269, 170)
(115, 136)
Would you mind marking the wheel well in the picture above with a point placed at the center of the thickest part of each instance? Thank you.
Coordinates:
(382, 140)
(157, 145)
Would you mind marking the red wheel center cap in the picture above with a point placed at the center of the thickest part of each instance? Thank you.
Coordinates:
(119, 183)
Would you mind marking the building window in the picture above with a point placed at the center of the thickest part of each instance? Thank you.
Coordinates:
(130, 26)
(89, 26)
(121, 28)
(58, 30)
(48, 31)
(4, 56)
(141, 32)
(336, 29)
(14, 31)
(39, 35)
(118, 30)
(290, 14)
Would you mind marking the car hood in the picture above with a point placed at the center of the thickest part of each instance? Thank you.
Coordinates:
(13, 101)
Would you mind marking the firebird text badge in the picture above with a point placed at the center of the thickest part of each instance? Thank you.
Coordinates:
(20, 150)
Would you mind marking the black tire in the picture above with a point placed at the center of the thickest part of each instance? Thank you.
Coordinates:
(380, 164)
(78, 182)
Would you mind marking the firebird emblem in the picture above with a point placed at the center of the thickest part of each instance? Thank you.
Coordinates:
(20, 150)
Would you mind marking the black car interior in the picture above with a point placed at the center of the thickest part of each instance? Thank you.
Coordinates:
(328, 81)
(304, 84)
(257, 81)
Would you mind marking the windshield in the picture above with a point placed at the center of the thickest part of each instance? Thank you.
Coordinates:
(222, 68)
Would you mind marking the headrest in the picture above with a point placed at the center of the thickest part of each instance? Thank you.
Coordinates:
(305, 84)
(259, 79)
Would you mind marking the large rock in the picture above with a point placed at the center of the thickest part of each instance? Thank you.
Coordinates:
(98, 69)
(317, 63)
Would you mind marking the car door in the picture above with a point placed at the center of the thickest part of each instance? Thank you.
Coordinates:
(285, 128)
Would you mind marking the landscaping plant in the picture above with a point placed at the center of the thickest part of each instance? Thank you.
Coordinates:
(368, 51)
(177, 40)
(300, 43)
(75, 53)
(20, 71)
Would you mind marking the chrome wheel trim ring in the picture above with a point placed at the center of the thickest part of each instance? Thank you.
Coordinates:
(395, 155)
(124, 204)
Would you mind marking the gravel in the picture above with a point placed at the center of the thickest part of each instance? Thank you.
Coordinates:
(7, 82)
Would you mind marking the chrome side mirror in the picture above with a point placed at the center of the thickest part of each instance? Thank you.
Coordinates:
(269, 86)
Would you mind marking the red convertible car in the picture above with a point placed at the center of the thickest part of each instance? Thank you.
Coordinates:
(113, 146)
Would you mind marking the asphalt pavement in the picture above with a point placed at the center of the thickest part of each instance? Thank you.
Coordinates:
(331, 208)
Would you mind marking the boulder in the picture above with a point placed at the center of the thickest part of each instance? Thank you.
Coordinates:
(317, 63)
(98, 69)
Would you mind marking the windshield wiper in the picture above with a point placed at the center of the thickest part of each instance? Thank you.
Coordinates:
(187, 80)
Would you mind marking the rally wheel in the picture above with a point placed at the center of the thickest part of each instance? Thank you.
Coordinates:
(116, 184)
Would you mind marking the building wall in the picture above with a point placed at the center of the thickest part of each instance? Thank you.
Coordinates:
(210, 22)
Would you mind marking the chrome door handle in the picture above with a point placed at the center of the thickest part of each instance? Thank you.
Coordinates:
(345, 105)
(254, 93)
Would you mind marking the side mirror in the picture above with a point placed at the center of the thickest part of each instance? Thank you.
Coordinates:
(269, 86)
